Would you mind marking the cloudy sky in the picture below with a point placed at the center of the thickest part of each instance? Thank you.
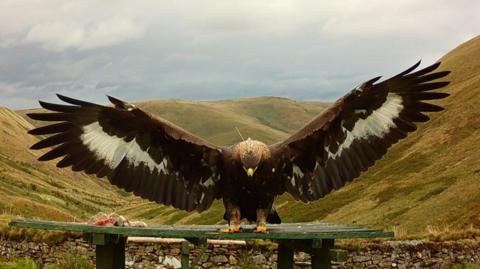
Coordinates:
(139, 50)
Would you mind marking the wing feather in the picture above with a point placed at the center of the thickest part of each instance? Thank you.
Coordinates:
(148, 156)
(346, 139)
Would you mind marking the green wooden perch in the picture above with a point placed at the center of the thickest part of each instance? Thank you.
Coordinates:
(317, 239)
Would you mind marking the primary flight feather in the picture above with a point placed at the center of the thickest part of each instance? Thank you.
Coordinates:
(159, 161)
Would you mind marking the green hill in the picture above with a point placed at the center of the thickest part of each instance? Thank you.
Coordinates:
(430, 178)
(268, 119)
(33, 189)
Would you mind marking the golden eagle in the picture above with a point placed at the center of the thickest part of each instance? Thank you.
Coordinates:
(161, 162)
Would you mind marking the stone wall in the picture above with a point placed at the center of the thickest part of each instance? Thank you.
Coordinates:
(394, 254)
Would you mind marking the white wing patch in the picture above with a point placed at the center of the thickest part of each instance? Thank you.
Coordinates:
(376, 124)
(208, 183)
(297, 172)
(114, 149)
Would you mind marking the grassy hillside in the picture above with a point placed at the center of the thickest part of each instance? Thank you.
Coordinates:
(430, 178)
(268, 119)
(32, 189)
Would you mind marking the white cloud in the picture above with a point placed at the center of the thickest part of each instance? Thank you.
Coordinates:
(56, 35)
(409, 17)
(59, 25)
(65, 35)
(218, 49)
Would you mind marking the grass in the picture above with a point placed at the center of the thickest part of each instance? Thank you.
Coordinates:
(447, 233)
(70, 261)
(32, 189)
(465, 266)
(35, 235)
(25, 263)
(246, 261)
(65, 261)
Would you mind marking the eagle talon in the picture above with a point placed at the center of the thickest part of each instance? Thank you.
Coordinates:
(260, 229)
(231, 230)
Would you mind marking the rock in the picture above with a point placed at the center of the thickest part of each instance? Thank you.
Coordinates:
(360, 259)
(232, 260)
(259, 259)
(171, 262)
(429, 263)
(150, 257)
(302, 256)
(222, 250)
(175, 251)
(397, 255)
(273, 258)
(219, 259)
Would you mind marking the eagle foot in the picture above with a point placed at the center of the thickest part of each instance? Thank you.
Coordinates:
(260, 229)
(236, 229)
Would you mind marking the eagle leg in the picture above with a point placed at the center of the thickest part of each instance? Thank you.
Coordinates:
(261, 221)
(233, 221)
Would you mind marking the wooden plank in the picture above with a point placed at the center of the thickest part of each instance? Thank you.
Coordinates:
(99, 239)
(321, 258)
(320, 254)
(180, 240)
(285, 256)
(111, 253)
(280, 231)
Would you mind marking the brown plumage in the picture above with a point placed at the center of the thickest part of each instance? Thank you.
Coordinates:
(160, 161)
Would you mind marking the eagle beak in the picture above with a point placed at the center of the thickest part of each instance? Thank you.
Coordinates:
(250, 171)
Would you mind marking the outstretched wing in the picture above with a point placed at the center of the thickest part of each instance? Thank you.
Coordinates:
(139, 153)
(357, 130)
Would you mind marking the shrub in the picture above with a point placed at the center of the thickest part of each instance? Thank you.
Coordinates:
(246, 261)
(69, 261)
(464, 266)
(25, 263)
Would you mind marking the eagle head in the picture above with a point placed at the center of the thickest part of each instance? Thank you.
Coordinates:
(251, 153)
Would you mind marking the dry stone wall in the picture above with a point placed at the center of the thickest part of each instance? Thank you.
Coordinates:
(395, 254)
